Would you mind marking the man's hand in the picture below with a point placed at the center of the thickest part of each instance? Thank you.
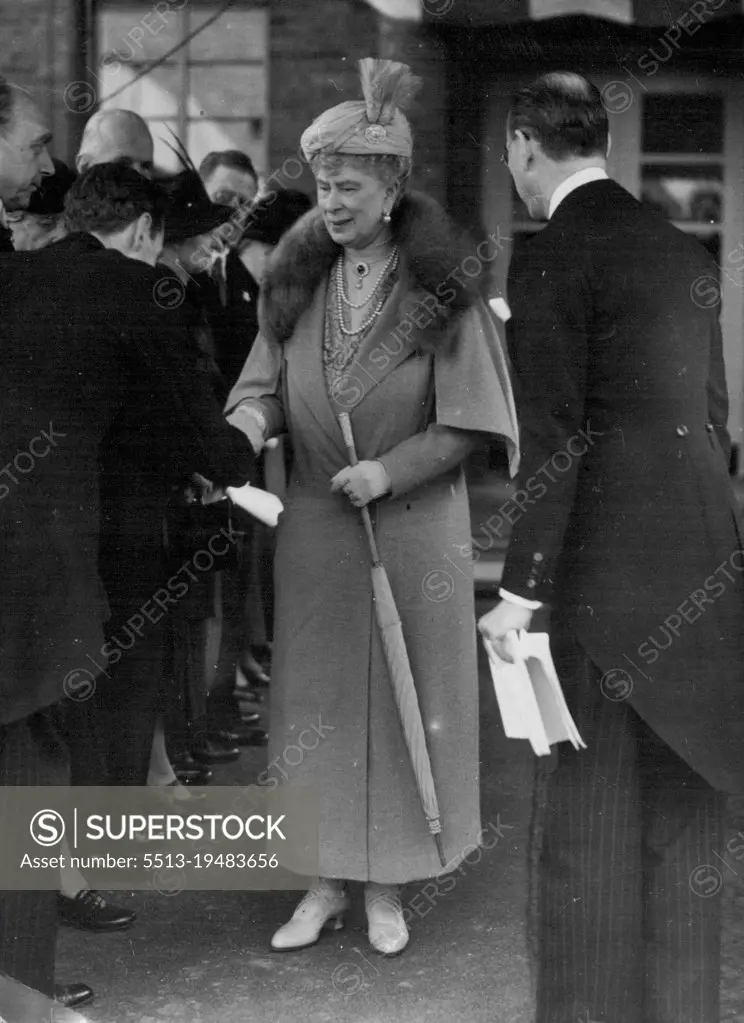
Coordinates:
(252, 425)
(502, 619)
(362, 483)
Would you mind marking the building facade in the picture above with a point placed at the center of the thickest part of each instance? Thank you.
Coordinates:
(251, 74)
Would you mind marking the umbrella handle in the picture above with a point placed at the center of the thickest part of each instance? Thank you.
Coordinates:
(345, 423)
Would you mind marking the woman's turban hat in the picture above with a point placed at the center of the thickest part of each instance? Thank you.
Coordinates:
(373, 125)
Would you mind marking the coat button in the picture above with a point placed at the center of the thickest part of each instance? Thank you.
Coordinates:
(682, 431)
(537, 557)
(531, 584)
(709, 427)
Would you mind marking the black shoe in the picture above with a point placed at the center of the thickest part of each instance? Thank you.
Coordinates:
(90, 912)
(255, 737)
(248, 717)
(247, 699)
(212, 750)
(72, 995)
(263, 654)
(251, 675)
(193, 775)
(243, 735)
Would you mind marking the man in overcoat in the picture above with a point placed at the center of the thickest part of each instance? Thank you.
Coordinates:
(27, 918)
(90, 343)
(624, 521)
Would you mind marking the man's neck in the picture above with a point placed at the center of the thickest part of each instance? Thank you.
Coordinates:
(565, 170)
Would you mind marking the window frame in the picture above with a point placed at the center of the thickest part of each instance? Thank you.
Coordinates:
(182, 63)
(624, 165)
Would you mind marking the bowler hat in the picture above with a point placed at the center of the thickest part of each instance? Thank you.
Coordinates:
(190, 211)
(273, 214)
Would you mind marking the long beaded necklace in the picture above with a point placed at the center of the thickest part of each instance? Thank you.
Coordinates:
(362, 270)
(389, 269)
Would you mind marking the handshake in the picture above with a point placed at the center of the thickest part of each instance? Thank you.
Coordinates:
(251, 422)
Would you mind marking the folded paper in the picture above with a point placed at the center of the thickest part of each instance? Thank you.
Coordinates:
(529, 695)
(259, 503)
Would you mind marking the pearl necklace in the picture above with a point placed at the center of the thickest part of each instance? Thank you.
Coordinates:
(390, 264)
(340, 306)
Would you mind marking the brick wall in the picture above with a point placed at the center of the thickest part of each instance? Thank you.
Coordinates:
(315, 45)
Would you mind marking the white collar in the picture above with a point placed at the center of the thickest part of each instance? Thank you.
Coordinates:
(582, 177)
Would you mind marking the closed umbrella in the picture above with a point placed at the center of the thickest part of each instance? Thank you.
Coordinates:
(399, 668)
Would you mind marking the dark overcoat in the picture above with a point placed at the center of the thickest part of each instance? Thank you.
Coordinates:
(335, 725)
(80, 339)
(625, 519)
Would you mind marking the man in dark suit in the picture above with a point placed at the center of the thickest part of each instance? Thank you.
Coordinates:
(146, 454)
(90, 342)
(27, 918)
(624, 521)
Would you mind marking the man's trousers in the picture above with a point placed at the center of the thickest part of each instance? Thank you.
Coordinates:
(626, 914)
(28, 920)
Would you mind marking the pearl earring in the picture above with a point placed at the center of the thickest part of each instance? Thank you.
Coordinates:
(386, 218)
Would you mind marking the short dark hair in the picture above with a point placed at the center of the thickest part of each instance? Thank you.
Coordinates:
(232, 158)
(563, 111)
(109, 196)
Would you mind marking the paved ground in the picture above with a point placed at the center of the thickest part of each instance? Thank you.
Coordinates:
(203, 957)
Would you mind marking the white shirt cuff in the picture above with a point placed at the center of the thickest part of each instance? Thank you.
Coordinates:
(531, 605)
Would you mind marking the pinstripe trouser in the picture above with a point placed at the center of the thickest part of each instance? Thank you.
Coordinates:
(626, 928)
(28, 920)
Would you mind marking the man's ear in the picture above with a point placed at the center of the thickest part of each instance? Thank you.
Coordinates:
(529, 147)
(142, 231)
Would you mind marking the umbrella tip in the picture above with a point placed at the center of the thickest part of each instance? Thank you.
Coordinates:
(440, 849)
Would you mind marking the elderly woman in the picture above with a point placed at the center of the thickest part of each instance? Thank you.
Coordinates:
(365, 308)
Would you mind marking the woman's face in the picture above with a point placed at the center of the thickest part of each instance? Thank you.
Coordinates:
(230, 187)
(353, 203)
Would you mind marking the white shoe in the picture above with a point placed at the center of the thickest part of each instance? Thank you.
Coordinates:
(388, 933)
(323, 906)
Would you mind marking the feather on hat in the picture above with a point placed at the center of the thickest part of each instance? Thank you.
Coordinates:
(376, 124)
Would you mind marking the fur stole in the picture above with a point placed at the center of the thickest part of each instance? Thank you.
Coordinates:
(432, 248)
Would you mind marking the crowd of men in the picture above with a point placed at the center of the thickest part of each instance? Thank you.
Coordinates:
(114, 378)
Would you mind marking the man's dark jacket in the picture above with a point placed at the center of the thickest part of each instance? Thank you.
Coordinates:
(232, 312)
(627, 523)
(82, 338)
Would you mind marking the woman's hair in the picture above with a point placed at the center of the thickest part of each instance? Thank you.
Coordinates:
(564, 112)
(386, 167)
(234, 159)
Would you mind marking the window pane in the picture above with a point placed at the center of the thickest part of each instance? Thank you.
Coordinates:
(236, 35)
(153, 95)
(165, 158)
(684, 192)
(682, 123)
(137, 35)
(223, 91)
(206, 135)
